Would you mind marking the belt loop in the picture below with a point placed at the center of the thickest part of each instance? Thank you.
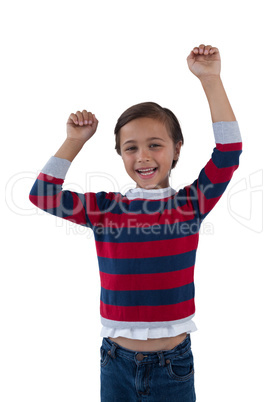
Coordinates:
(112, 351)
(161, 358)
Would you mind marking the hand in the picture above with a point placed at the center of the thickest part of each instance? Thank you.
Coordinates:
(81, 126)
(204, 61)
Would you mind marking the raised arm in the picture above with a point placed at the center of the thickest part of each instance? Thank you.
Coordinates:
(205, 63)
(47, 193)
(205, 192)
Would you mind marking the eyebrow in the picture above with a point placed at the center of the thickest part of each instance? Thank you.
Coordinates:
(149, 139)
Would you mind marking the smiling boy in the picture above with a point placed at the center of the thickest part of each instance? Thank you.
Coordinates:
(147, 300)
(148, 152)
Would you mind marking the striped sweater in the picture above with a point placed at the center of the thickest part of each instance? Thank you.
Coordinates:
(146, 240)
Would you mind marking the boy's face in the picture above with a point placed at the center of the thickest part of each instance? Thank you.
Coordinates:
(143, 152)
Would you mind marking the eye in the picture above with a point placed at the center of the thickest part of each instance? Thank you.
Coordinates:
(152, 145)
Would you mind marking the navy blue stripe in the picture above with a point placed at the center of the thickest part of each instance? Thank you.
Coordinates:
(193, 198)
(210, 190)
(143, 232)
(34, 189)
(225, 159)
(44, 189)
(65, 208)
(137, 206)
(153, 265)
(159, 297)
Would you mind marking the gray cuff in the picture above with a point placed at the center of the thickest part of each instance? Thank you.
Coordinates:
(56, 167)
(226, 132)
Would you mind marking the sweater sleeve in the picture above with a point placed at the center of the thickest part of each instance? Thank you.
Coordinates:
(213, 179)
(48, 195)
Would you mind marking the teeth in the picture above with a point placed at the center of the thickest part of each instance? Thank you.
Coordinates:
(145, 170)
(149, 171)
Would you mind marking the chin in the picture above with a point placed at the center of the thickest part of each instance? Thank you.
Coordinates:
(149, 186)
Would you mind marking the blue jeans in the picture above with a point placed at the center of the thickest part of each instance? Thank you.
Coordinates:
(129, 376)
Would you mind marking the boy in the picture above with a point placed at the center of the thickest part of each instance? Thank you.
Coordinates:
(147, 295)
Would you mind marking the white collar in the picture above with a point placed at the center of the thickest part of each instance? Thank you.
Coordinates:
(154, 194)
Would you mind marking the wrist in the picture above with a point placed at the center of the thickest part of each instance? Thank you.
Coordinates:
(72, 142)
(69, 149)
(210, 80)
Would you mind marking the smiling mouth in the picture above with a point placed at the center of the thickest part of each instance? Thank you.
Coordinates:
(146, 173)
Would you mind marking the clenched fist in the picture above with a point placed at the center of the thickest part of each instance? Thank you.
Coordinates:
(81, 126)
(204, 61)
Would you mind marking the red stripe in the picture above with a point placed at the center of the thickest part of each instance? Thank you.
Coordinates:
(92, 208)
(181, 213)
(206, 205)
(165, 280)
(156, 248)
(234, 146)
(76, 214)
(170, 312)
(219, 175)
(132, 220)
(46, 202)
(50, 179)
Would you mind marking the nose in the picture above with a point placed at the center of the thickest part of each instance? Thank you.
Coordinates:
(143, 155)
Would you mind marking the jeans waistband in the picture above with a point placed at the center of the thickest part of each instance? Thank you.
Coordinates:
(146, 357)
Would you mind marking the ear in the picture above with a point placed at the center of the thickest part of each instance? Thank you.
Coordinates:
(177, 150)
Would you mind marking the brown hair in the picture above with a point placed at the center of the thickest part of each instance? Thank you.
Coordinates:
(155, 111)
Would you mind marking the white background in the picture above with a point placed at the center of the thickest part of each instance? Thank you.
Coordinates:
(105, 56)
